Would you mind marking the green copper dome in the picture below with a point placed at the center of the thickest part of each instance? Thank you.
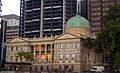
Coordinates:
(77, 21)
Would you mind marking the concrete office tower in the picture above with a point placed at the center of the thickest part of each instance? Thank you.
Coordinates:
(12, 29)
(96, 9)
(13, 20)
(39, 18)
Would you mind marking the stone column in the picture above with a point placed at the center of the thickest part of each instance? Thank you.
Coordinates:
(69, 53)
(45, 52)
(39, 53)
(64, 55)
(34, 51)
(51, 51)
(55, 55)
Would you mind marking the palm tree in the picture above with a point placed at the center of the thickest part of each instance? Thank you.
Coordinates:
(88, 43)
(29, 56)
(20, 55)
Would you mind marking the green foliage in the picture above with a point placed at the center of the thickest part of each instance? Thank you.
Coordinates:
(20, 55)
(27, 55)
(1, 63)
(116, 65)
(88, 42)
(54, 69)
(109, 38)
(112, 14)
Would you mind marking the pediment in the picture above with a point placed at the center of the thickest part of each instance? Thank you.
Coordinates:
(15, 40)
(67, 36)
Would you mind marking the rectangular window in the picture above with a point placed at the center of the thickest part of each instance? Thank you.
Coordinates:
(16, 58)
(73, 45)
(98, 57)
(61, 45)
(11, 58)
(90, 57)
(16, 48)
(67, 56)
(21, 48)
(67, 45)
(12, 48)
(61, 56)
(73, 56)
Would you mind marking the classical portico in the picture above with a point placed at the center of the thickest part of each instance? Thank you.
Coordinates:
(43, 52)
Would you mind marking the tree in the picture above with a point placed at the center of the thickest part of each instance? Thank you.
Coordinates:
(20, 55)
(88, 43)
(109, 38)
(28, 56)
(112, 14)
(116, 65)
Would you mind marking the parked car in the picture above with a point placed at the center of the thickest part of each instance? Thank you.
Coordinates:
(97, 69)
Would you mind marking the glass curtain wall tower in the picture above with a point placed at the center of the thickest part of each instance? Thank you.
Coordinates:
(40, 18)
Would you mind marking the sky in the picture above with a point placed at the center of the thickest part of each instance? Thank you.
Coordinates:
(10, 7)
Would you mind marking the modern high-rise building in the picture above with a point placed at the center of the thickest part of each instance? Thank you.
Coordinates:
(0, 12)
(39, 18)
(13, 20)
(0, 43)
(12, 28)
(9, 29)
(93, 10)
(3, 38)
(0, 7)
(96, 9)
(83, 8)
(0, 29)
